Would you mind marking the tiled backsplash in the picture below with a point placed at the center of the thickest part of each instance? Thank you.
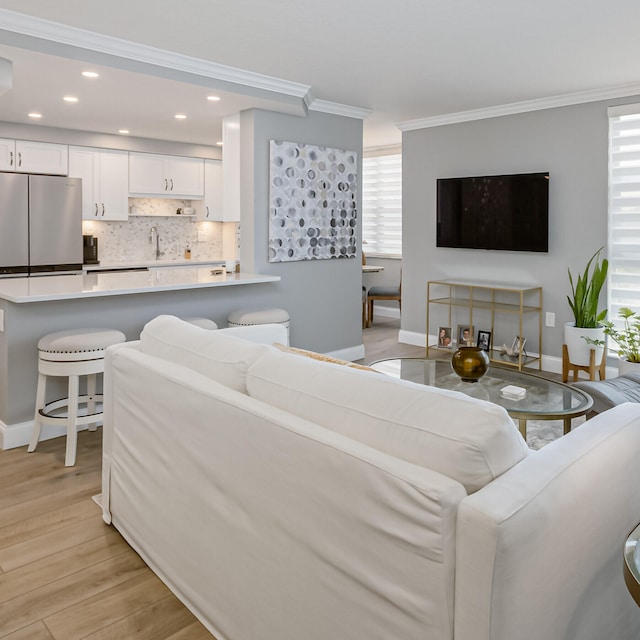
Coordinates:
(130, 241)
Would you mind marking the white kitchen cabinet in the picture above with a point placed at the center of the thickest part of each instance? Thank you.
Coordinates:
(105, 182)
(166, 176)
(25, 156)
(211, 207)
(7, 155)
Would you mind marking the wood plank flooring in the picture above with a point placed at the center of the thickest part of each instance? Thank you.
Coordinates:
(64, 574)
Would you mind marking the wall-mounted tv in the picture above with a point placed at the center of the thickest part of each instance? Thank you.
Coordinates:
(506, 213)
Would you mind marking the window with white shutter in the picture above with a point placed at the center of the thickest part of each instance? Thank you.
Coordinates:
(624, 210)
(382, 205)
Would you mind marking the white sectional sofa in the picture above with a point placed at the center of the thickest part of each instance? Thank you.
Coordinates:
(283, 498)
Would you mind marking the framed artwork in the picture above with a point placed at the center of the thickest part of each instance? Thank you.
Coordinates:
(444, 337)
(465, 335)
(313, 212)
(484, 340)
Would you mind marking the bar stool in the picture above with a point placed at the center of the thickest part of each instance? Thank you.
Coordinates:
(71, 354)
(204, 323)
(260, 316)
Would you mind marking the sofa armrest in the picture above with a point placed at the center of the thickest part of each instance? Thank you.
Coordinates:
(107, 424)
(539, 550)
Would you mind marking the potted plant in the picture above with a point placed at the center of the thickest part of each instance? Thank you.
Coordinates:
(627, 339)
(586, 332)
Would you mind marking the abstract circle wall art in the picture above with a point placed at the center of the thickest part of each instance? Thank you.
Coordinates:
(313, 208)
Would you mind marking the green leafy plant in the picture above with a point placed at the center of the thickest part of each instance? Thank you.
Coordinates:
(585, 292)
(627, 338)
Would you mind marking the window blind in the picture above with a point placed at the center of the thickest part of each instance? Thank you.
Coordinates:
(624, 210)
(382, 205)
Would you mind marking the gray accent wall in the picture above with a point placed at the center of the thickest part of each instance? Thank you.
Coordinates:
(322, 296)
(569, 142)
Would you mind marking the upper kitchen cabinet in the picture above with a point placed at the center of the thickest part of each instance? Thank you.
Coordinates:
(25, 156)
(105, 182)
(166, 176)
(211, 207)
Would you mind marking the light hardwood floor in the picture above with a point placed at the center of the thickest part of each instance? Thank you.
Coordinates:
(64, 574)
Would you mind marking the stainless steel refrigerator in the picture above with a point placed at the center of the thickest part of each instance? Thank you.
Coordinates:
(40, 224)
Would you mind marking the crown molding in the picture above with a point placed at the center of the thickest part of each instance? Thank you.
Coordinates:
(72, 36)
(337, 109)
(565, 100)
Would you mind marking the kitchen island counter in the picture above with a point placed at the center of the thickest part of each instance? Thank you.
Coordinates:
(96, 284)
(33, 307)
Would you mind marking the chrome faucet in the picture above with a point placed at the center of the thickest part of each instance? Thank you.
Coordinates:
(154, 231)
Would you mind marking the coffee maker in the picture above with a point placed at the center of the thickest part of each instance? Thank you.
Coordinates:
(90, 250)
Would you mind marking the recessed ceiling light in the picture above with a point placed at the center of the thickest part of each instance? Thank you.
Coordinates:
(213, 98)
(33, 114)
(219, 143)
(180, 116)
(70, 99)
(123, 131)
(89, 74)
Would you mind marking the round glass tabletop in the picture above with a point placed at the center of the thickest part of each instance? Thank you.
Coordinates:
(539, 398)
(632, 564)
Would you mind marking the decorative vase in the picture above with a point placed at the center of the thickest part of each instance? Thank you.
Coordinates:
(470, 363)
(625, 366)
(578, 348)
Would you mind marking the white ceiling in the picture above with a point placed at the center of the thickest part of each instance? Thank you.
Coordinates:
(403, 60)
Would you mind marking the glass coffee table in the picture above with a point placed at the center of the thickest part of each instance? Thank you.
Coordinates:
(543, 399)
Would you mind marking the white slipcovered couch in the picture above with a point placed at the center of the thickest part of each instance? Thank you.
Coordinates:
(282, 498)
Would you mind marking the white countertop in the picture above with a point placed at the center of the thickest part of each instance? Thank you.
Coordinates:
(96, 284)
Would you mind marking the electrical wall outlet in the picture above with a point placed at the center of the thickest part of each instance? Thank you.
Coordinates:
(550, 319)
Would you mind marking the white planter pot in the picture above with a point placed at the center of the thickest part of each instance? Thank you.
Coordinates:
(579, 349)
(624, 366)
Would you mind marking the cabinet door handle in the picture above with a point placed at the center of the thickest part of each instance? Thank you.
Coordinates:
(171, 184)
(11, 158)
(96, 213)
(166, 185)
(207, 212)
(103, 209)
(20, 158)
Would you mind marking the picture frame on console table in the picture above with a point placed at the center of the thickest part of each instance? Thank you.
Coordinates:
(444, 338)
(465, 335)
(484, 340)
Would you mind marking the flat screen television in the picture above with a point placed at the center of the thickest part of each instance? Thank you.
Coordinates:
(506, 213)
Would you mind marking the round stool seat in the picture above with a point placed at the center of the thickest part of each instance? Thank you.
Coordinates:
(260, 316)
(205, 323)
(71, 354)
(78, 344)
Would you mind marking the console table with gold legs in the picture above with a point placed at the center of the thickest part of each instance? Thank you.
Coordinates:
(506, 311)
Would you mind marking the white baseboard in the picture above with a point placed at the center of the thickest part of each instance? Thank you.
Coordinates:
(412, 337)
(385, 312)
(350, 353)
(17, 435)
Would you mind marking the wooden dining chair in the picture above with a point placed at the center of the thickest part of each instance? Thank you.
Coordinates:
(383, 293)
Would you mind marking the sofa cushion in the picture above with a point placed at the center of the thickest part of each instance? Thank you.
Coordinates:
(314, 355)
(216, 354)
(464, 438)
